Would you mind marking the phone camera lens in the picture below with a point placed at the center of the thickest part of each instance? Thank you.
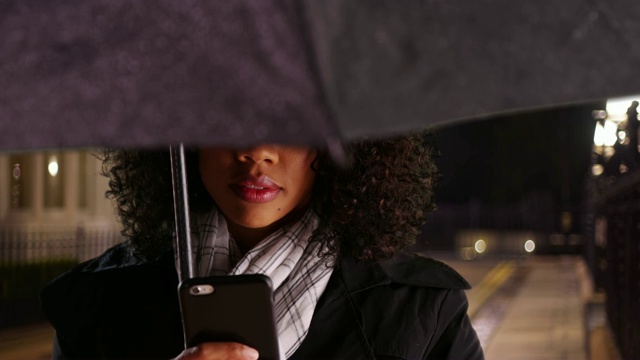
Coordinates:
(201, 290)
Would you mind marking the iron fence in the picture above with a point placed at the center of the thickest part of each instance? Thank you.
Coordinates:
(43, 243)
(617, 239)
(613, 232)
(31, 256)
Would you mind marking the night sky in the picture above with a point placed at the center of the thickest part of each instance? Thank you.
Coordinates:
(500, 160)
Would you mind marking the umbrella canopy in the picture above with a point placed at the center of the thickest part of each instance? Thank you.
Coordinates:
(146, 73)
(393, 66)
(154, 72)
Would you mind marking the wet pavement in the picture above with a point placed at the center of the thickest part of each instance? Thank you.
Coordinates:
(486, 317)
(32, 342)
(533, 308)
(544, 316)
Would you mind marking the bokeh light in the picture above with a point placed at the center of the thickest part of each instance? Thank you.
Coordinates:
(480, 246)
(53, 166)
(529, 246)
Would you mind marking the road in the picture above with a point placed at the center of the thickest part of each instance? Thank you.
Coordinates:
(473, 271)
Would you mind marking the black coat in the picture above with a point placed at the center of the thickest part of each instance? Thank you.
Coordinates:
(409, 307)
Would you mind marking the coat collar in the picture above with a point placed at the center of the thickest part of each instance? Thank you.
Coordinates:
(403, 268)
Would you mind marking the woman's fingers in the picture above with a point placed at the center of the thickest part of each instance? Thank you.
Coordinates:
(219, 351)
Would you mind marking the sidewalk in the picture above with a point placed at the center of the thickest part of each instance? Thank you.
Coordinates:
(31, 342)
(545, 318)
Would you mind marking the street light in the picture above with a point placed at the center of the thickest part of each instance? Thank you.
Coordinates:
(609, 136)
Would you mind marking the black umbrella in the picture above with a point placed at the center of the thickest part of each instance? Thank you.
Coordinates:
(154, 72)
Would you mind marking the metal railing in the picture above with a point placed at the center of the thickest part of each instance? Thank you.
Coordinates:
(613, 233)
(31, 256)
(617, 260)
(20, 244)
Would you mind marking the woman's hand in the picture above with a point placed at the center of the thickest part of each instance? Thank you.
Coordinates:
(219, 351)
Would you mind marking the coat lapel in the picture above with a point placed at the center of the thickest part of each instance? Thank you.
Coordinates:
(338, 324)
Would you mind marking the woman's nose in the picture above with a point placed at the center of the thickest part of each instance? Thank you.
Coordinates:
(257, 154)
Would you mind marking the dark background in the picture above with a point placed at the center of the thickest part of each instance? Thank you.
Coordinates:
(519, 172)
(503, 159)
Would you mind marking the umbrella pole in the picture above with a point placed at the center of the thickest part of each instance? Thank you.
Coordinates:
(182, 238)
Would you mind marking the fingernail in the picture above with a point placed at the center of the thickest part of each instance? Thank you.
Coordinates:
(251, 352)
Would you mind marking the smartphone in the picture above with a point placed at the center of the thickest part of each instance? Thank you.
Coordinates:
(235, 308)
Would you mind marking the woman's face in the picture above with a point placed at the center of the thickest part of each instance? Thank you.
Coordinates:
(258, 187)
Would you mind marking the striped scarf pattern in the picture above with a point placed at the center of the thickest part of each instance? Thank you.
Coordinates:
(299, 276)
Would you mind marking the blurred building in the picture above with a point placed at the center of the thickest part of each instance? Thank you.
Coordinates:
(52, 204)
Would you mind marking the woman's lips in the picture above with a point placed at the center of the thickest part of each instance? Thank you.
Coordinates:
(256, 190)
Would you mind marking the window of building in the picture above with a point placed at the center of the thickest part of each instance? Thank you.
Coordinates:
(19, 184)
(53, 180)
(83, 175)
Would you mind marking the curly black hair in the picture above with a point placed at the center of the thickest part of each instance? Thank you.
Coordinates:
(367, 211)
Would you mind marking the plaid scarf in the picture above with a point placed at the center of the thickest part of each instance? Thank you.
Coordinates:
(298, 275)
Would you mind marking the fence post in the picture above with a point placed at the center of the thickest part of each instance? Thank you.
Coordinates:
(80, 239)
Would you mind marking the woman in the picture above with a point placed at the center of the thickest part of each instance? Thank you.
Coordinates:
(330, 238)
